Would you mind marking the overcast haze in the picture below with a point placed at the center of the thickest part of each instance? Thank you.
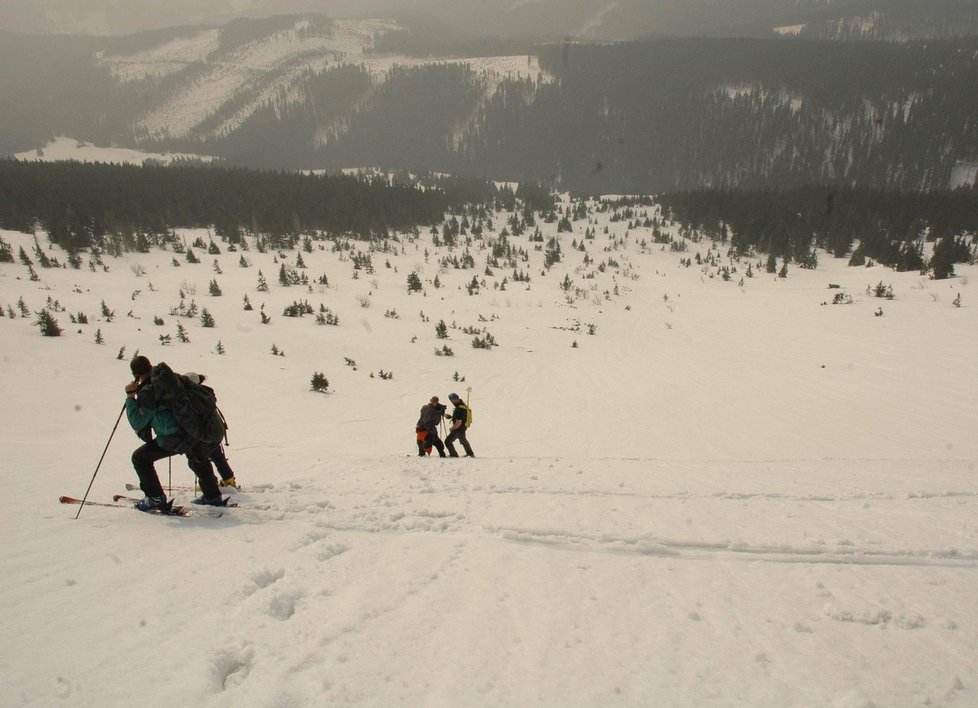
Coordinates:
(126, 16)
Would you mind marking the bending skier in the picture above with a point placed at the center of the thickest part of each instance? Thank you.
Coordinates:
(217, 456)
(146, 415)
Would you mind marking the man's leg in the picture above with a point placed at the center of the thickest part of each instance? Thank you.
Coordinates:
(142, 461)
(221, 464)
(199, 462)
(452, 436)
(436, 442)
(465, 442)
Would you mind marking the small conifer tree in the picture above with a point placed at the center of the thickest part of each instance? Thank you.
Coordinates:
(107, 314)
(49, 326)
(414, 283)
(319, 382)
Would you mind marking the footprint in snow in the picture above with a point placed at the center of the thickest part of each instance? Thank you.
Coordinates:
(282, 606)
(231, 666)
(264, 578)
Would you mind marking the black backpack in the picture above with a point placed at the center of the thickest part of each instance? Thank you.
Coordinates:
(193, 406)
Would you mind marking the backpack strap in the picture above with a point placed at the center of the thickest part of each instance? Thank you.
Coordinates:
(226, 426)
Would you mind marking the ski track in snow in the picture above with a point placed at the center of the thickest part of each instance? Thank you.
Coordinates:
(407, 509)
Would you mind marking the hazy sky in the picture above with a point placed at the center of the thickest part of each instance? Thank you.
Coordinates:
(125, 16)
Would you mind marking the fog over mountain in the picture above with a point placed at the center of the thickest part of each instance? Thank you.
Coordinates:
(589, 19)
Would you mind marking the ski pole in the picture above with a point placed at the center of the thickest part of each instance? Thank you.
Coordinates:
(82, 505)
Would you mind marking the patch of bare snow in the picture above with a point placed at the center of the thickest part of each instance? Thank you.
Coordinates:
(63, 148)
(165, 59)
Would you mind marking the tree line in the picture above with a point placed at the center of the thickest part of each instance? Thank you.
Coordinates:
(888, 227)
(79, 204)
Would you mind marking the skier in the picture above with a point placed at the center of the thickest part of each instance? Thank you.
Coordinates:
(217, 456)
(431, 414)
(145, 415)
(459, 418)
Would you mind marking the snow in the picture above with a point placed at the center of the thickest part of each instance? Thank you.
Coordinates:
(164, 59)
(963, 174)
(730, 495)
(270, 68)
(790, 30)
(64, 148)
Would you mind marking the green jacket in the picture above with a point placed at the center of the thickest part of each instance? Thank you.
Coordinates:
(142, 411)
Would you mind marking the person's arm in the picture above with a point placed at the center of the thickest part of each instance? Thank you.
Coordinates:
(140, 406)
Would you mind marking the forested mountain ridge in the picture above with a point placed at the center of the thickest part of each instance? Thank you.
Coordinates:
(634, 117)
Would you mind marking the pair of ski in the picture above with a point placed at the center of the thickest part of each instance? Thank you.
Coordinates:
(213, 512)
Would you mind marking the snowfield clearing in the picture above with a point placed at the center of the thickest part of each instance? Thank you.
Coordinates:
(732, 493)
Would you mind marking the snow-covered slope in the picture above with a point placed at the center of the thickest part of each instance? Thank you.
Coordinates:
(63, 148)
(266, 70)
(730, 494)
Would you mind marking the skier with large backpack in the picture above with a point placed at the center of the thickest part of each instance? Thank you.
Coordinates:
(184, 422)
(217, 457)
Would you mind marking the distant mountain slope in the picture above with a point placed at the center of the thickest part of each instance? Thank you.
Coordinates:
(308, 92)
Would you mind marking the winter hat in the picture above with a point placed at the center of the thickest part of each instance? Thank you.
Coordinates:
(453, 397)
(139, 366)
(194, 378)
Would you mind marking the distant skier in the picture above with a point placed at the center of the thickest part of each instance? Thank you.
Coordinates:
(145, 416)
(460, 420)
(431, 415)
(217, 456)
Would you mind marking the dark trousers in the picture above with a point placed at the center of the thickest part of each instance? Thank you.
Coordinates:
(146, 455)
(432, 440)
(458, 434)
(220, 461)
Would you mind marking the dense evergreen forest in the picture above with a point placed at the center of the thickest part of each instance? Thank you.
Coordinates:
(682, 114)
(79, 205)
(887, 227)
